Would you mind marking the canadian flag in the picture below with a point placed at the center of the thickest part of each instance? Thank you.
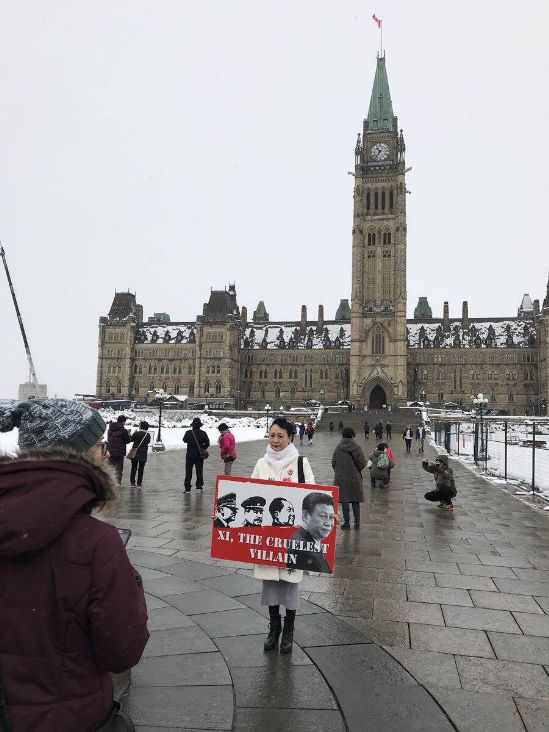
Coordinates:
(376, 20)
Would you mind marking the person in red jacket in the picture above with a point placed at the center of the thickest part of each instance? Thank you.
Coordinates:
(72, 608)
(227, 447)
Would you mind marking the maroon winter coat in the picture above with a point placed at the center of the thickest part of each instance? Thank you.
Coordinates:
(71, 608)
(117, 439)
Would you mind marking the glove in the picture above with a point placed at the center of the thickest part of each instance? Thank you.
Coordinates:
(425, 463)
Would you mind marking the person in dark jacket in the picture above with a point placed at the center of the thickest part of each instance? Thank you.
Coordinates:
(331, 426)
(444, 481)
(382, 463)
(407, 436)
(140, 441)
(72, 608)
(378, 430)
(388, 430)
(348, 462)
(117, 439)
(197, 441)
(420, 437)
(366, 430)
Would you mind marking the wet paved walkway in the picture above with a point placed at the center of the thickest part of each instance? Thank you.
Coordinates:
(432, 621)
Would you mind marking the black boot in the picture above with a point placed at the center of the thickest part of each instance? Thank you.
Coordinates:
(275, 628)
(288, 633)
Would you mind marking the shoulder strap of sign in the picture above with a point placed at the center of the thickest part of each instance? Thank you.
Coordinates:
(300, 471)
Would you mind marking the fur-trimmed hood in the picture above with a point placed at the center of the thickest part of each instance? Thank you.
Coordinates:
(40, 493)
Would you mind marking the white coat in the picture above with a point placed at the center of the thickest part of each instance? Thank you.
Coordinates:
(265, 471)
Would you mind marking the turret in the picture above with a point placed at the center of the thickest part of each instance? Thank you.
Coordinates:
(303, 325)
(465, 315)
(244, 316)
(446, 318)
(320, 322)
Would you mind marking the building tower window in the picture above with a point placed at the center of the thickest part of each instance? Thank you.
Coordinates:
(176, 388)
(277, 392)
(206, 388)
(191, 388)
(383, 199)
(376, 200)
(391, 199)
(371, 238)
(118, 387)
(217, 388)
(378, 341)
(367, 200)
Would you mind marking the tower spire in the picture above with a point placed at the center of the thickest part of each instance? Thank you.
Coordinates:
(380, 112)
(546, 300)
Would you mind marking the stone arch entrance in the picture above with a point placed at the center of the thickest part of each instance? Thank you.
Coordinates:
(377, 398)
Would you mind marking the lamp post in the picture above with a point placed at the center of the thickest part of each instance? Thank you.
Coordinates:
(480, 402)
(423, 395)
(159, 445)
(267, 410)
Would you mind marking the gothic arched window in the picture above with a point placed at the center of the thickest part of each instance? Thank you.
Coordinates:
(277, 392)
(371, 238)
(378, 341)
(164, 386)
(176, 388)
(218, 388)
(206, 387)
(391, 198)
(383, 199)
(107, 386)
(136, 388)
(367, 200)
(118, 387)
(262, 393)
(191, 388)
(376, 200)
(292, 391)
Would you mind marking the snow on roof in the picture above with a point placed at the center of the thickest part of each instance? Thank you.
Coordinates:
(172, 333)
(504, 333)
(288, 335)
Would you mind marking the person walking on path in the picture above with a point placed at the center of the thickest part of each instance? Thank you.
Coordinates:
(407, 436)
(366, 430)
(348, 462)
(340, 426)
(73, 608)
(117, 439)
(381, 465)
(280, 586)
(310, 432)
(378, 430)
(197, 445)
(140, 439)
(301, 432)
(388, 429)
(331, 426)
(390, 454)
(420, 437)
(444, 481)
(227, 447)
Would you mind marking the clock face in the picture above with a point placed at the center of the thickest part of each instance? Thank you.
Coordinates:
(380, 151)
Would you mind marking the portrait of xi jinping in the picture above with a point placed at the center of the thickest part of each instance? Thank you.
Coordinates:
(253, 511)
(317, 521)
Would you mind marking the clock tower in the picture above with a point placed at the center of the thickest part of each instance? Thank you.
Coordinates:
(378, 310)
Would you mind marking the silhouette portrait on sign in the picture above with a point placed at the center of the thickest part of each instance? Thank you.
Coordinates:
(253, 511)
(317, 521)
(225, 512)
(282, 512)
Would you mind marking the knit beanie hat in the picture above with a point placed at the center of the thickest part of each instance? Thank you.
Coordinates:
(45, 423)
(443, 459)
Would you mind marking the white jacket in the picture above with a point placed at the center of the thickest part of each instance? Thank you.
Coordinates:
(265, 471)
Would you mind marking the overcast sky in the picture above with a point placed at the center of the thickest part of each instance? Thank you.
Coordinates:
(168, 147)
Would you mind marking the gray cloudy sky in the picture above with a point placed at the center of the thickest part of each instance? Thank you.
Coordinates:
(169, 146)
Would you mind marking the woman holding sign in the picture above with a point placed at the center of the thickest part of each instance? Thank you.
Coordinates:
(280, 585)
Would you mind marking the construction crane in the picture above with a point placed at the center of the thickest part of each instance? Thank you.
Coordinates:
(33, 379)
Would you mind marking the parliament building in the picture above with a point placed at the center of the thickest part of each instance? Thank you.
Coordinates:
(369, 353)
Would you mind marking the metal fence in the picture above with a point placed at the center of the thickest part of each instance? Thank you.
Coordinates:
(511, 448)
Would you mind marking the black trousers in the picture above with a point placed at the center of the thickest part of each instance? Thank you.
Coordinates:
(137, 467)
(389, 435)
(441, 495)
(347, 513)
(118, 465)
(408, 444)
(199, 465)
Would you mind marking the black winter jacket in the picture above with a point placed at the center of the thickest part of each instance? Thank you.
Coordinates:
(192, 448)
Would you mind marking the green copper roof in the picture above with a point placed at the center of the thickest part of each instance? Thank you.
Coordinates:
(423, 309)
(260, 313)
(380, 113)
(343, 311)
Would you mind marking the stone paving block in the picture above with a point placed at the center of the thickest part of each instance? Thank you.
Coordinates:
(522, 648)
(151, 560)
(168, 617)
(177, 641)
(465, 582)
(383, 632)
(471, 712)
(424, 579)
(407, 612)
(535, 714)
(533, 624)
(204, 601)
(355, 572)
(282, 687)
(479, 618)
(361, 607)
(197, 570)
(325, 630)
(543, 602)
(503, 677)
(516, 561)
(439, 595)
(321, 583)
(186, 707)
(305, 607)
(190, 669)
(275, 720)
(438, 567)
(480, 570)
(148, 574)
(170, 585)
(380, 562)
(523, 587)
(247, 652)
(232, 622)
(428, 667)
(503, 601)
(391, 591)
(438, 555)
(351, 670)
(533, 575)
(154, 602)
(233, 585)
(450, 640)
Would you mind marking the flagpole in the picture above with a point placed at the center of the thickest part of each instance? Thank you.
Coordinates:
(381, 29)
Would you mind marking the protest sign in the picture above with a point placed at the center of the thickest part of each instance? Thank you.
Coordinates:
(274, 523)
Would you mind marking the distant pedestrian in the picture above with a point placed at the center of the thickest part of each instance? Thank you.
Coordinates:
(227, 447)
(348, 462)
(301, 432)
(140, 439)
(197, 451)
(117, 439)
(407, 436)
(390, 454)
(444, 480)
(340, 426)
(381, 465)
(331, 426)
(420, 437)
(388, 430)
(310, 433)
(366, 430)
(378, 429)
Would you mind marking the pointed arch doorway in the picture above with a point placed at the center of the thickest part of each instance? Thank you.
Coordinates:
(377, 398)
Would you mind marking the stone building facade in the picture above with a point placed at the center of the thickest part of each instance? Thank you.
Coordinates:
(369, 354)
